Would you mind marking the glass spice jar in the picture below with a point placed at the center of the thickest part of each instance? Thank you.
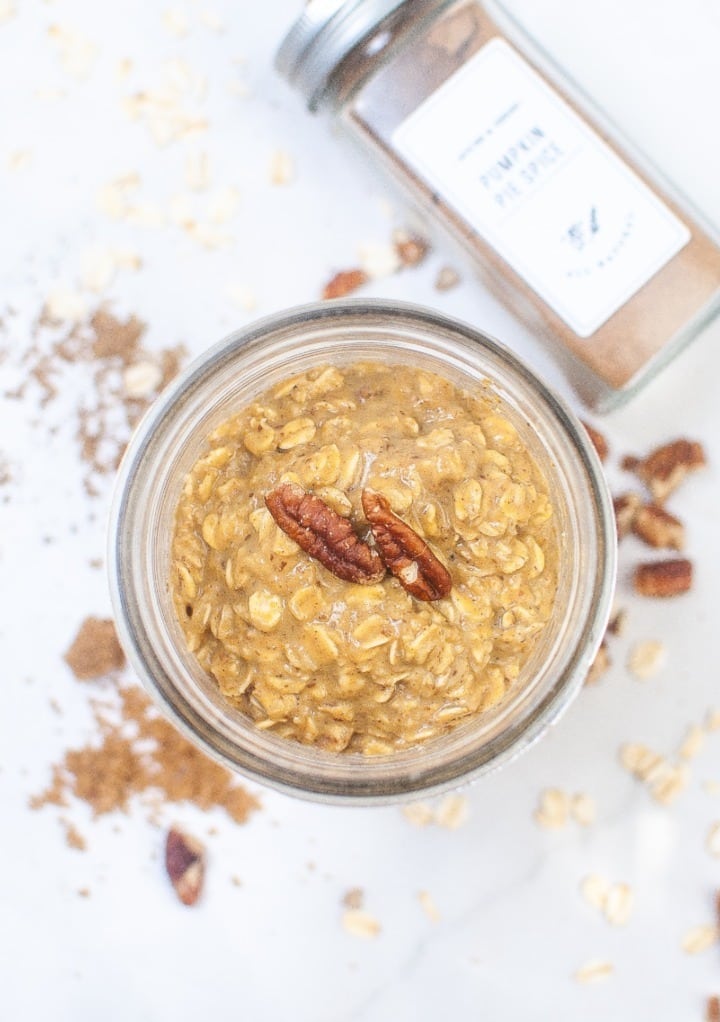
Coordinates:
(566, 222)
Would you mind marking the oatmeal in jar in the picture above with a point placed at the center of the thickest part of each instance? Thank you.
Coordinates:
(364, 557)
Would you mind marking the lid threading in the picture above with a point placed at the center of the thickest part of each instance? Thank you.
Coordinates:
(323, 36)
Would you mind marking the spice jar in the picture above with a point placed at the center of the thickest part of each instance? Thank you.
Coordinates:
(231, 375)
(566, 223)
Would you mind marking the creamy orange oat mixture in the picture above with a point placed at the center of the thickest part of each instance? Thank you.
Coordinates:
(365, 667)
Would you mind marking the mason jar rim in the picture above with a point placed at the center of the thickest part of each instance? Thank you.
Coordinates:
(341, 778)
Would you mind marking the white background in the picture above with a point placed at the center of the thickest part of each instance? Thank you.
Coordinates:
(513, 927)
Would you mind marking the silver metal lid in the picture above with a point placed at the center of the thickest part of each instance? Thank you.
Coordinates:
(324, 34)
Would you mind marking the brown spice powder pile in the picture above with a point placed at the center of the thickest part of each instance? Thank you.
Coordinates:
(95, 651)
(111, 350)
(139, 753)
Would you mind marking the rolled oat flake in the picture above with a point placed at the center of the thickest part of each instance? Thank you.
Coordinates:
(570, 227)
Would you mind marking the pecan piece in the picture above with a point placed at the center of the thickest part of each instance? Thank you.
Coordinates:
(663, 578)
(626, 506)
(405, 554)
(712, 1009)
(185, 864)
(411, 249)
(665, 468)
(598, 441)
(658, 528)
(344, 283)
(324, 534)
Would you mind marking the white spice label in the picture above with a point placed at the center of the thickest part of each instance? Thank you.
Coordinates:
(498, 144)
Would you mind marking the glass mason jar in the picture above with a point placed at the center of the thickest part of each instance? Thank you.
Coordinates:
(567, 224)
(229, 376)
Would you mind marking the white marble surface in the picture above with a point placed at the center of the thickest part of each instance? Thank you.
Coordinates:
(513, 928)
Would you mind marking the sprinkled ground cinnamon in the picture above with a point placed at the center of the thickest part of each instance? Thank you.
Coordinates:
(95, 651)
(141, 754)
(73, 837)
(106, 348)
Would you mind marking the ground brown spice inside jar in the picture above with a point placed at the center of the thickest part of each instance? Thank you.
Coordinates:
(676, 297)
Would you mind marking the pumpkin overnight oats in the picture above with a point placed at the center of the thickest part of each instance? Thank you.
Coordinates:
(363, 558)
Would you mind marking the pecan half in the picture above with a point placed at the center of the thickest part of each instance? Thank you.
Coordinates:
(658, 528)
(663, 578)
(324, 534)
(712, 1009)
(626, 506)
(665, 468)
(598, 441)
(405, 554)
(344, 283)
(185, 864)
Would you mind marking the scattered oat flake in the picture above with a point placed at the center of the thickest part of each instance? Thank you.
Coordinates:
(554, 807)
(20, 160)
(97, 268)
(582, 809)
(693, 742)
(123, 69)
(127, 258)
(712, 842)
(113, 198)
(238, 87)
(77, 53)
(208, 236)
(594, 972)
(420, 814)
(712, 720)
(223, 205)
(378, 259)
(452, 812)
(359, 923)
(177, 22)
(242, 296)
(197, 171)
(49, 94)
(282, 168)
(170, 110)
(619, 904)
(664, 780)
(142, 379)
(594, 889)
(712, 787)
(646, 658)
(7, 11)
(427, 904)
(699, 939)
(64, 304)
(145, 214)
(212, 20)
